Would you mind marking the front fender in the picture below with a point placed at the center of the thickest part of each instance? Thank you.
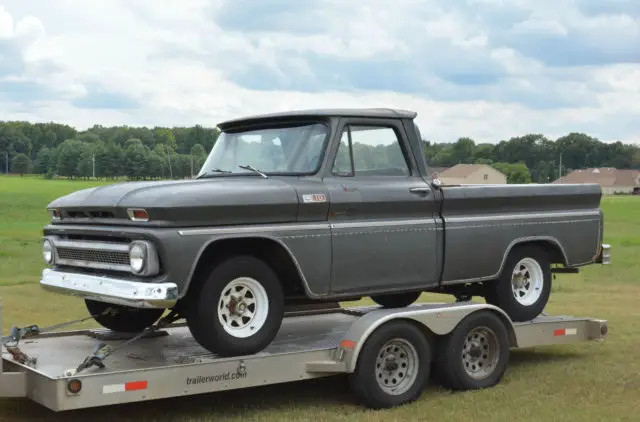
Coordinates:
(309, 253)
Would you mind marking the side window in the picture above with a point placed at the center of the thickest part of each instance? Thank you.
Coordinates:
(342, 163)
(376, 151)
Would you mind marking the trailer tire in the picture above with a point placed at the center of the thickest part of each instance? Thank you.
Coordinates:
(402, 347)
(126, 319)
(478, 342)
(243, 323)
(534, 263)
(397, 300)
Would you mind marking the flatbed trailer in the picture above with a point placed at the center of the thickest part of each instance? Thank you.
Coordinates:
(388, 354)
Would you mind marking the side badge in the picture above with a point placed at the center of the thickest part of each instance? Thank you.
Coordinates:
(310, 198)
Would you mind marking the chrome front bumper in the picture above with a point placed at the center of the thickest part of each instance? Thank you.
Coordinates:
(111, 290)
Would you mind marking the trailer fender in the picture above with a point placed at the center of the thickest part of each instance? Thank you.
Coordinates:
(438, 320)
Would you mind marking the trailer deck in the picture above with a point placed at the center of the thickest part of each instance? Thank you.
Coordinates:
(169, 363)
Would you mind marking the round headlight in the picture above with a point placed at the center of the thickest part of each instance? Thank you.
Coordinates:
(47, 251)
(137, 258)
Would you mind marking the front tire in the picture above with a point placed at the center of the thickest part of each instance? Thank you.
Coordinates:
(239, 308)
(125, 319)
(524, 286)
(397, 300)
(393, 366)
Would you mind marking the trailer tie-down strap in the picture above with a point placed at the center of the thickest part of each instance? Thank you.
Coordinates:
(103, 350)
(17, 334)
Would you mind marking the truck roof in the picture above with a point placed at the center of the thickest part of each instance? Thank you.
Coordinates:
(330, 112)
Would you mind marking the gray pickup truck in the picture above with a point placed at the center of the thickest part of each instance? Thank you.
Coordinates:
(319, 205)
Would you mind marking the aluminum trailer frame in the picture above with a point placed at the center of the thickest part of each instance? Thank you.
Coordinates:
(169, 363)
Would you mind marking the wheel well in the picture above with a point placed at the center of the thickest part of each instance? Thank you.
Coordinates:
(511, 334)
(552, 248)
(434, 338)
(431, 337)
(274, 254)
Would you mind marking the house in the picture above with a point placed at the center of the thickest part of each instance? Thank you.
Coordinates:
(433, 172)
(613, 181)
(472, 174)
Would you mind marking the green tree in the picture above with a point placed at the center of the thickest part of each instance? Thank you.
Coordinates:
(517, 173)
(21, 164)
(135, 159)
(69, 155)
(43, 158)
(156, 166)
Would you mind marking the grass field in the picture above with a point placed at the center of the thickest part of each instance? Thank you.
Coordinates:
(582, 382)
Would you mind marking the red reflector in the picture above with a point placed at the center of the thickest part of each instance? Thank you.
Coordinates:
(135, 385)
(140, 214)
(348, 344)
(558, 332)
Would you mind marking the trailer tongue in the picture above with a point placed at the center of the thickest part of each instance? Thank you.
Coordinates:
(386, 352)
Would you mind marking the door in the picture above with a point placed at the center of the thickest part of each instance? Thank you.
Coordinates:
(382, 212)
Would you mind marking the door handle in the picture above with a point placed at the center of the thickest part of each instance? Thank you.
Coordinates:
(421, 189)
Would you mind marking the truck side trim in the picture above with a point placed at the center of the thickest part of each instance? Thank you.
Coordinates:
(251, 229)
(522, 216)
(272, 228)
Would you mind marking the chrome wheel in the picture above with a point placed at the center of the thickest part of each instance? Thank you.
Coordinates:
(480, 352)
(243, 307)
(397, 366)
(527, 281)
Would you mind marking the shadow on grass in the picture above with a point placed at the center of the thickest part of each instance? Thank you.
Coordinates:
(541, 356)
(321, 395)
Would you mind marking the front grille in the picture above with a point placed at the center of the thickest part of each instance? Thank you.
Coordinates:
(106, 257)
(89, 214)
(113, 256)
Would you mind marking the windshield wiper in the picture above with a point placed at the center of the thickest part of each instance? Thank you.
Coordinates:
(214, 170)
(250, 167)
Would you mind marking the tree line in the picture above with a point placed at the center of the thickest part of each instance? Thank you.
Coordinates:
(53, 149)
(535, 157)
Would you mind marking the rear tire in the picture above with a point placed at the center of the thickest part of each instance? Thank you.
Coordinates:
(126, 320)
(524, 286)
(398, 300)
(393, 366)
(239, 308)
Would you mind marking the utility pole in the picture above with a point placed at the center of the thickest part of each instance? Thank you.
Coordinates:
(560, 168)
(6, 160)
(93, 164)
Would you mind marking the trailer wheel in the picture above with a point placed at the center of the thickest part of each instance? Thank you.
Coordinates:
(393, 366)
(126, 319)
(398, 300)
(524, 286)
(475, 354)
(239, 308)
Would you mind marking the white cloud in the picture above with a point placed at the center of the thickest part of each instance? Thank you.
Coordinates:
(475, 70)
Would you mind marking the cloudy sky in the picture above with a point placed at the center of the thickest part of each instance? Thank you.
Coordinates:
(488, 69)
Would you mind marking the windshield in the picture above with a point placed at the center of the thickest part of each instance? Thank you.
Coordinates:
(280, 150)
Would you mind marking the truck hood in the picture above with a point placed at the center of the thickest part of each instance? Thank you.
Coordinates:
(211, 201)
